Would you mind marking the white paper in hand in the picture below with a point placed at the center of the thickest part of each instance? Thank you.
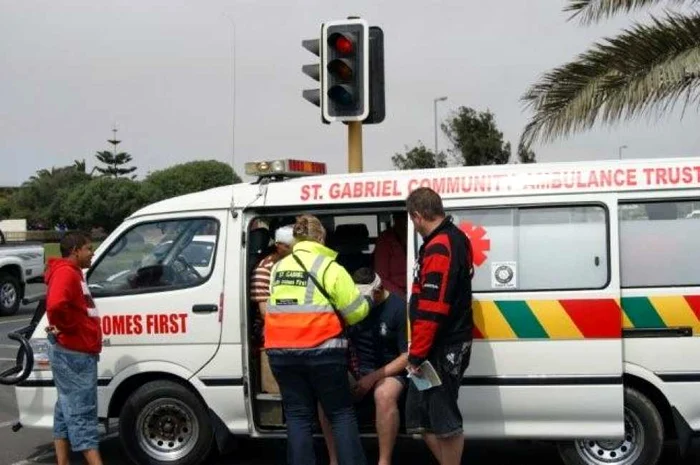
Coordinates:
(428, 378)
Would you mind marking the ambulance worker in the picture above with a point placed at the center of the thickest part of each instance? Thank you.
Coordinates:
(312, 298)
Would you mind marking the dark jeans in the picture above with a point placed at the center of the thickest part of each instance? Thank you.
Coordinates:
(303, 381)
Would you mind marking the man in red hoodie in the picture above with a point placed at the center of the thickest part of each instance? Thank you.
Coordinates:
(76, 341)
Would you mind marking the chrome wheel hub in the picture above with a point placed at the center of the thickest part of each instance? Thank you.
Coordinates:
(8, 295)
(167, 429)
(619, 452)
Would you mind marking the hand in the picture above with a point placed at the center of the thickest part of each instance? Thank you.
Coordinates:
(414, 370)
(53, 330)
(363, 386)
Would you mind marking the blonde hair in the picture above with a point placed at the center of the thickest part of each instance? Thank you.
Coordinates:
(309, 228)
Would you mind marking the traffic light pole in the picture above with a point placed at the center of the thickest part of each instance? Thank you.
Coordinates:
(355, 146)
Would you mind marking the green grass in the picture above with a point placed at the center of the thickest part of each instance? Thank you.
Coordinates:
(51, 249)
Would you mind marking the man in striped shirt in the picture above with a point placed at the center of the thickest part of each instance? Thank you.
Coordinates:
(260, 282)
(259, 293)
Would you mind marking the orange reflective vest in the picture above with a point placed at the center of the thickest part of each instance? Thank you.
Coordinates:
(298, 316)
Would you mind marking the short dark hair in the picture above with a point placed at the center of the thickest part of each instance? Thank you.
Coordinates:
(425, 202)
(73, 241)
(363, 275)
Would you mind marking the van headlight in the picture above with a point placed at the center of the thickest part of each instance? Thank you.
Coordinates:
(40, 347)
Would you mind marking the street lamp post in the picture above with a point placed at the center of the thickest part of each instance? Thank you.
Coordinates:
(233, 89)
(435, 102)
(619, 151)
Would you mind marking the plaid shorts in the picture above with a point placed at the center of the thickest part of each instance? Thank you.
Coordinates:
(75, 414)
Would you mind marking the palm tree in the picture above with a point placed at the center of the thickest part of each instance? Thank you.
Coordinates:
(646, 69)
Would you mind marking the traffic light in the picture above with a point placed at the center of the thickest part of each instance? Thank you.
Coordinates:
(345, 70)
(377, 107)
(314, 96)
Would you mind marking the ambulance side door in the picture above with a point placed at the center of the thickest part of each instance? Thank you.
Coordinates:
(157, 288)
(547, 351)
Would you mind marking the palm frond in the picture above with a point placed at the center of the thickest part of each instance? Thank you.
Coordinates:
(646, 68)
(591, 11)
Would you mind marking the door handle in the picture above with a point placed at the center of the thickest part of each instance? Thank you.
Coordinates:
(205, 308)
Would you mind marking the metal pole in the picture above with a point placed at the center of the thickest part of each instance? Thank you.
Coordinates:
(233, 90)
(619, 151)
(355, 147)
(435, 161)
(435, 101)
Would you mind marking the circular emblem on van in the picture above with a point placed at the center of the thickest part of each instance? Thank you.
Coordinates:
(504, 274)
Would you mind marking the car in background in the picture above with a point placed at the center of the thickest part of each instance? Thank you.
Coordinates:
(20, 264)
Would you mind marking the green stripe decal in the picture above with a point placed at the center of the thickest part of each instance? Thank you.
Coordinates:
(521, 319)
(641, 313)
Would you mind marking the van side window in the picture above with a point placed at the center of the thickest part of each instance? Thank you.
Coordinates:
(156, 256)
(659, 244)
(537, 248)
(353, 238)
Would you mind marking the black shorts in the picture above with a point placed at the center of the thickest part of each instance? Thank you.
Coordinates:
(365, 407)
(435, 410)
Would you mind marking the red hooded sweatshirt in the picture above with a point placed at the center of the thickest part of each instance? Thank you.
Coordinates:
(70, 308)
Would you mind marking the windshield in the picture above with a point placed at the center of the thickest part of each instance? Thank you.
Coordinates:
(171, 253)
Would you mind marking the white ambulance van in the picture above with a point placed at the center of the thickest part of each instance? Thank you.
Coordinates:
(586, 305)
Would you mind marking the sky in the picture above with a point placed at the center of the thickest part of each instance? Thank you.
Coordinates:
(162, 71)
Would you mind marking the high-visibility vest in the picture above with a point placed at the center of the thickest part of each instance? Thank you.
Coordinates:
(298, 316)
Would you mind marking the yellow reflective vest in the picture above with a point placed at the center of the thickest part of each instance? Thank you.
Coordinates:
(298, 315)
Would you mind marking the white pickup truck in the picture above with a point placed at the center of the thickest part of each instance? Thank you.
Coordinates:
(20, 263)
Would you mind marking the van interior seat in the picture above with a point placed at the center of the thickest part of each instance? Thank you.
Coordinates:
(351, 241)
(258, 247)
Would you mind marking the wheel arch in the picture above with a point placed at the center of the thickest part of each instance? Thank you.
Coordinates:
(648, 384)
(14, 270)
(128, 385)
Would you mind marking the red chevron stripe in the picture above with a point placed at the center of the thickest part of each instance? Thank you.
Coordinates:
(694, 302)
(595, 318)
(476, 333)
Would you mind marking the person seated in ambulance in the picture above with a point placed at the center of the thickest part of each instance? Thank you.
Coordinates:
(390, 255)
(260, 293)
(380, 347)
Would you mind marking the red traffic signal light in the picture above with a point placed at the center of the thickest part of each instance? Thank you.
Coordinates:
(345, 68)
(342, 44)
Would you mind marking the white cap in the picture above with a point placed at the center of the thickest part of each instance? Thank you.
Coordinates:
(285, 235)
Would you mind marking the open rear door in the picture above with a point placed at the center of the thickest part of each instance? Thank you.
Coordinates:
(547, 354)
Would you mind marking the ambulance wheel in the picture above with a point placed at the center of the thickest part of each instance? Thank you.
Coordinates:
(642, 444)
(10, 294)
(164, 423)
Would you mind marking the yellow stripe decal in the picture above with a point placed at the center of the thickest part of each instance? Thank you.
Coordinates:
(554, 319)
(491, 322)
(675, 311)
(626, 323)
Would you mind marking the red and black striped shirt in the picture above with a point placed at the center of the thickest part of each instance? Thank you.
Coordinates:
(441, 298)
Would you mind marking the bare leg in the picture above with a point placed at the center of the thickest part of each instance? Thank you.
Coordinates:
(92, 457)
(451, 449)
(328, 435)
(62, 451)
(434, 446)
(386, 398)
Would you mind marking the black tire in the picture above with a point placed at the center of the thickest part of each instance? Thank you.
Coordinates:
(10, 294)
(164, 423)
(642, 445)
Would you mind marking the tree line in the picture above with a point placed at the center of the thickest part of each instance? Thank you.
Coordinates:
(475, 140)
(70, 197)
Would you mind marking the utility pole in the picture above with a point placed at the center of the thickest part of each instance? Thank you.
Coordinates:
(435, 102)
